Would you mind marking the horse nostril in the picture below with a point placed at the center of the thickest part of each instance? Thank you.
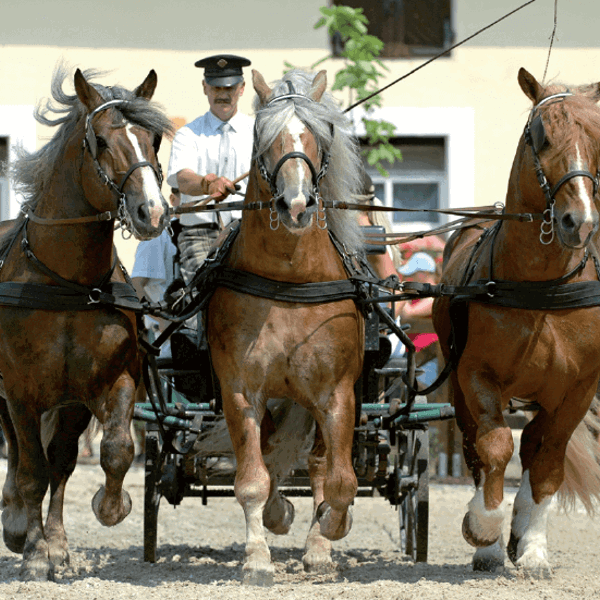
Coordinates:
(143, 213)
(281, 204)
(568, 223)
(312, 200)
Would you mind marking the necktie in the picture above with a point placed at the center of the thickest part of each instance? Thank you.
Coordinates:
(225, 160)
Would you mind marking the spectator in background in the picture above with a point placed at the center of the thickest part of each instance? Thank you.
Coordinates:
(153, 271)
(421, 267)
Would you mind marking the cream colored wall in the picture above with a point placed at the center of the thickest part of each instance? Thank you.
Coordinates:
(477, 77)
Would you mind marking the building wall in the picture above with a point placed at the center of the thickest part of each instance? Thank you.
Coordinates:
(472, 97)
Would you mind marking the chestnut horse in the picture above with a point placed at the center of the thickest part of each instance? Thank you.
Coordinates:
(540, 340)
(306, 356)
(61, 364)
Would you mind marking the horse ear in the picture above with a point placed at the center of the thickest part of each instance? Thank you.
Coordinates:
(319, 85)
(146, 89)
(529, 85)
(86, 92)
(261, 87)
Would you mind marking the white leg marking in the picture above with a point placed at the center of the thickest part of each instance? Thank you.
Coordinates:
(490, 558)
(522, 507)
(485, 524)
(532, 550)
(150, 184)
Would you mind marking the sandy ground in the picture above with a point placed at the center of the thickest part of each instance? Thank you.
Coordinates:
(201, 548)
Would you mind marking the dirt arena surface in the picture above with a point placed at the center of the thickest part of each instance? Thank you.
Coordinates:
(201, 549)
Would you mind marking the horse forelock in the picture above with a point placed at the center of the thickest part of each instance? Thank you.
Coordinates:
(573, 122)
(31, 171)
(342, 180)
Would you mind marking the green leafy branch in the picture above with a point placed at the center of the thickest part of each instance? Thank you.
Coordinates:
(360, 76)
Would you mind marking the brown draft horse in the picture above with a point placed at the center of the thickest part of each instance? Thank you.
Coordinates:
(530, 351)
(61, 365)
(306, 356)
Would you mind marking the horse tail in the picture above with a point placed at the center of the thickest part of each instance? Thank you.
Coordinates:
(582, 464)
(49, 426)
(290, 430)
(293, 438)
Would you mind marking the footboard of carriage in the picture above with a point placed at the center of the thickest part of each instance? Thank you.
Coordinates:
(390, 450)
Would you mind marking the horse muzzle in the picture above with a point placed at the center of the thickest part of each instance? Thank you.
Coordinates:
(576, 229)
(297, 213)
(147, 216)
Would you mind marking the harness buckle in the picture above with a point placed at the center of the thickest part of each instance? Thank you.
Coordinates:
(94, 296)
(490, 286)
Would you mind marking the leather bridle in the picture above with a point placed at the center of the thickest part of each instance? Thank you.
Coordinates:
(91, 144)
(535, 137)
(271, 178)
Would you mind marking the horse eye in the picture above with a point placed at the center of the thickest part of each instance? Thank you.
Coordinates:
(101, 143)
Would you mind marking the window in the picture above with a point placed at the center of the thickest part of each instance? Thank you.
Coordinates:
(418, 182)
(406, 27)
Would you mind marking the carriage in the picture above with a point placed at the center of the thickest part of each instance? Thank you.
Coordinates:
(390, 450)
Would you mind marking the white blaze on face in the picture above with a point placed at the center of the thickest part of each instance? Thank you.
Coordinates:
(150, 187)
(582, 191)
(294, 196)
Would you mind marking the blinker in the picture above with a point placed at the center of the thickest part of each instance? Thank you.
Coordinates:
(538, 134)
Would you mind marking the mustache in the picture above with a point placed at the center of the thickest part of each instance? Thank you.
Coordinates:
(225, 100)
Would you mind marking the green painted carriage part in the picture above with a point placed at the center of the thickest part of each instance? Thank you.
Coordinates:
(384, 408)
(203, 407)
(420, 413)
(150, 417)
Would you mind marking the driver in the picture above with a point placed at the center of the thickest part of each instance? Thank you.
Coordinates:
(208, 154)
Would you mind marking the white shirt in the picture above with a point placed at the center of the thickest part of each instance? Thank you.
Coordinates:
(196, 147)
(154, 260)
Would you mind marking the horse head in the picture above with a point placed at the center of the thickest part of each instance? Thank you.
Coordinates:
(290, 157)
(120, 166)
(563, 135)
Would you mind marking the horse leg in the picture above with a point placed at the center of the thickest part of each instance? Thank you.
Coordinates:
(482, 525)
(543, 473)
(340, 485)
(111, 503)
(317, 555)
(279, 512)
(487, 558)
(32, 483)
(252, 486)
(62, 456)
(14, 516)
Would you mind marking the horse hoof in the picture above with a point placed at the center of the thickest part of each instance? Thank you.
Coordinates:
(262, 577)
(471, 538)
(36, 569)
(535, 569)
(317, 564)
(280, 516)
(511, 548)
(333, 527)
(489, 559)
(107, 513)
(14, 542)
(59, 557)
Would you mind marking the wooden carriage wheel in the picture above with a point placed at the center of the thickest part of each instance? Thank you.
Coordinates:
(152, 493)
(414, 508)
